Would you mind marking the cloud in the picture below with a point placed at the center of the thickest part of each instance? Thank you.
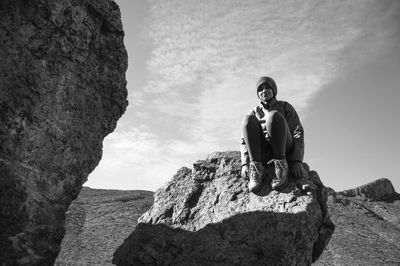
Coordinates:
(137, 159)
(201, 74)
(208, 55)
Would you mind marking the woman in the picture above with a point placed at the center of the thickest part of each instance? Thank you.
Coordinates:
(272, 134)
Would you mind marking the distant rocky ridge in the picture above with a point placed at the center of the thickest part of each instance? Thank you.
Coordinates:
(62, 90)
(206, 216)
(380, 189)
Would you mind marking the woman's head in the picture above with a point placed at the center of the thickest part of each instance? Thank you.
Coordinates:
(266, 82)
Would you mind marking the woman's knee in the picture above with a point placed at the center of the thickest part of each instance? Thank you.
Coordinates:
(275, 121)
(249, 120)
(275, 115)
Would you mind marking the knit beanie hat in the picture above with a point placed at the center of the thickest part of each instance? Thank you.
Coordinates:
(269, 82)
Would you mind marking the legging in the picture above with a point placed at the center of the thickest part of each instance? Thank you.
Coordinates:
(276, 145)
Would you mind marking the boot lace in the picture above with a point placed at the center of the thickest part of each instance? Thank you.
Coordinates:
(254, 171)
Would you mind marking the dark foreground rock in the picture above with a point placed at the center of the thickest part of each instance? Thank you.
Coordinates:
(97, 223)
(367, 220)
(62, 90)
(206, 216)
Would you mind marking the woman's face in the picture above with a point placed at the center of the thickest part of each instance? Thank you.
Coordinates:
(265, 93)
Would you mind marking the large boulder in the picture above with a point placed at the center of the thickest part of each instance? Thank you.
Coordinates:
(62, 90)
(206, 216)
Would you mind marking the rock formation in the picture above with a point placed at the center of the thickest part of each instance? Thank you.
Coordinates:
(378, 190)
(206, 216)
(62, 90)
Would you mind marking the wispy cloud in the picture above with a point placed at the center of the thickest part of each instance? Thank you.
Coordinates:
(208, 56)
(202, 71)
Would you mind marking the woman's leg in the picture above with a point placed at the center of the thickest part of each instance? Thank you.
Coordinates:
(281, 142)
(280, 139)
(254, 138)
(255, 142)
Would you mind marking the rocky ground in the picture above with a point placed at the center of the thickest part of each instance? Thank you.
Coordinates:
(367, 227)
(97, 223)
(367, 230)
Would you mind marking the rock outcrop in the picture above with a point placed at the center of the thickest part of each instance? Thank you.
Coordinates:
(62, 90)
(206, 216)
(377, 190)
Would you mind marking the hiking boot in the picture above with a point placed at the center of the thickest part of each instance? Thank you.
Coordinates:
(280, 178)
(256, 175)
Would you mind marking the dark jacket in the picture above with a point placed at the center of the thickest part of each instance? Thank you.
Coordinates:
(293, 121)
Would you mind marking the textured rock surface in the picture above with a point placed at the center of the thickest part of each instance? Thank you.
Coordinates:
(97, 223)
(367, 230)
(207, 217)
(62, 90)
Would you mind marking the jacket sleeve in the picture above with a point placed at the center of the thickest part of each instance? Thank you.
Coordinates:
(297, 132)
(244, 153)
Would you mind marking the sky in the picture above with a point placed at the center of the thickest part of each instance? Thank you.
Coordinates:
(193, 68)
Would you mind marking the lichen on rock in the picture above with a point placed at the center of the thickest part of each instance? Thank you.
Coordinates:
(207, 216)
(62, 90)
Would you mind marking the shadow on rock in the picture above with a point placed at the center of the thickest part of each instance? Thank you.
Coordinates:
(254, 238)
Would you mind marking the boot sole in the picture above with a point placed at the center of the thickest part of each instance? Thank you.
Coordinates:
(256, 189)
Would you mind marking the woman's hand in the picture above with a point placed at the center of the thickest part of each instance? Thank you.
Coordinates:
(298, 170)
(245, 171)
